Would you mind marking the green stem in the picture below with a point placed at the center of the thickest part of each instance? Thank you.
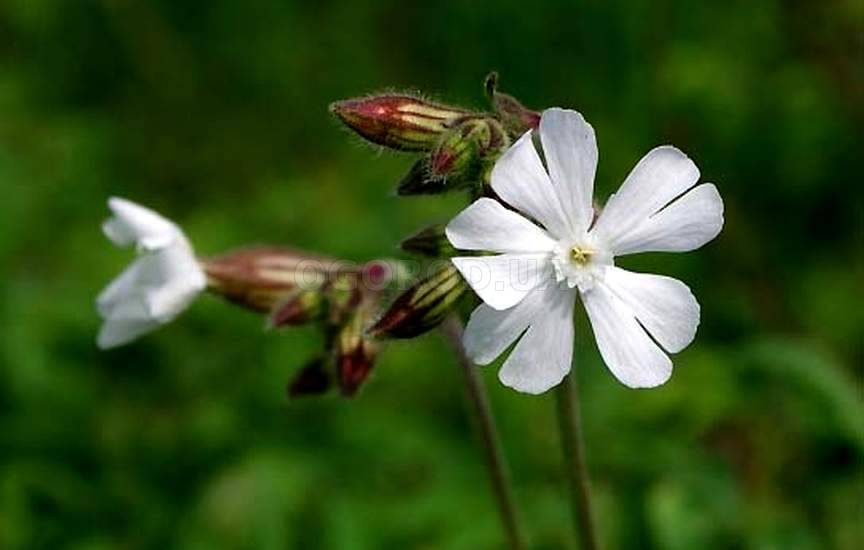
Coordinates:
(570, 424)
(495, 463)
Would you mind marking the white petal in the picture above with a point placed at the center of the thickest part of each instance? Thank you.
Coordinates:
(180, 278)
(502, 281)
(686, 224)
(121, 287)
(157, 281)
(663, 305)
(130, 307)
(160, 283)
(543, 356)
(520, 179)
(115, 333)
(171, 299)
(156, 286)
(133, 223)
(570, 148)
(662, 175)
(628, 351)
(490, 331)
(487, 225)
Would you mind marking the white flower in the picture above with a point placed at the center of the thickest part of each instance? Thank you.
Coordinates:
(531, 285)
(159, 284)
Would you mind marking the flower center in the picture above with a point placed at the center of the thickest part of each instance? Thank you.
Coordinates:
(580, 264)
(581, 255)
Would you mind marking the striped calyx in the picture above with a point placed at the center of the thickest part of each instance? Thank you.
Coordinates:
(401, 122)
(423, 305)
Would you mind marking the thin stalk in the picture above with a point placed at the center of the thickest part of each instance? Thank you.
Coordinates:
(570, 424)
(496, 464)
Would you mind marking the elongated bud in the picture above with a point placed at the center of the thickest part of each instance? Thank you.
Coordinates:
(462, 159)
(302, 306)
(312, 379)
(515, 117)
(430, 242)
(400, 122)
(355, 353)
(423, 306)
(261, 278)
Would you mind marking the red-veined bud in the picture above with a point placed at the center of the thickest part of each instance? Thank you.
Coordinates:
(261, 278)
(462, 159)
(515, 117)
(313, 378)
(422, 306)
(431, 242)
(401, 122)
(354, 352)
(302, 306)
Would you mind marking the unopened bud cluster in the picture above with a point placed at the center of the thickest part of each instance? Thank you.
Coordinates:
(459, 146)
(294, 288)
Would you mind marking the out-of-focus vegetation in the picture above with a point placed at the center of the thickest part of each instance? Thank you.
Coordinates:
(215, 114)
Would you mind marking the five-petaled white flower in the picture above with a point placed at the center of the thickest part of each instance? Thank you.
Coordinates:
(530, 285)
(159, 284)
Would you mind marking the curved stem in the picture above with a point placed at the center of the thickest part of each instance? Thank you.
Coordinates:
(570, 424)
(485, 422)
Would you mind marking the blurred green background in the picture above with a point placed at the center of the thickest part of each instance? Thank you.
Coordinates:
(215, 114)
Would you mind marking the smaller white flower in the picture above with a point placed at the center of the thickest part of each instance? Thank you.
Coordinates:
(159, 284)
(553, 250)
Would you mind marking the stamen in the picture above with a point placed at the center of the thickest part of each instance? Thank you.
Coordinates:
(581, 255)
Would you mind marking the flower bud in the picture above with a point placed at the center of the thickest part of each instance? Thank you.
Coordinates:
(312, 379)
(430, 242)
(462, 159)
(355, 353)
(400, 122)
(301, 307)
(515, 117)
(261, 278)
(423, 306)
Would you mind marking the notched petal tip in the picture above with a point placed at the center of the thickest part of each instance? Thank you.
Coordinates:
(646, 384)
(716, 207)
(530, 386)
(116, 204)
(133, 223)
(572, 114)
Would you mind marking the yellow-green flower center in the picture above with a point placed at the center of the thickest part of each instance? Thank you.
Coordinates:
(581, 255)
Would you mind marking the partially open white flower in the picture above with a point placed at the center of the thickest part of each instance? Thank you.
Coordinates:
(530, 285)
(159, 284)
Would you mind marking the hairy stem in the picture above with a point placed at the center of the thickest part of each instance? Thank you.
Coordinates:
(485, 422)
(570, 424)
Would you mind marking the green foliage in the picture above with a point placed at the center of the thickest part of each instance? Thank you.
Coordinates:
(215, 114)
